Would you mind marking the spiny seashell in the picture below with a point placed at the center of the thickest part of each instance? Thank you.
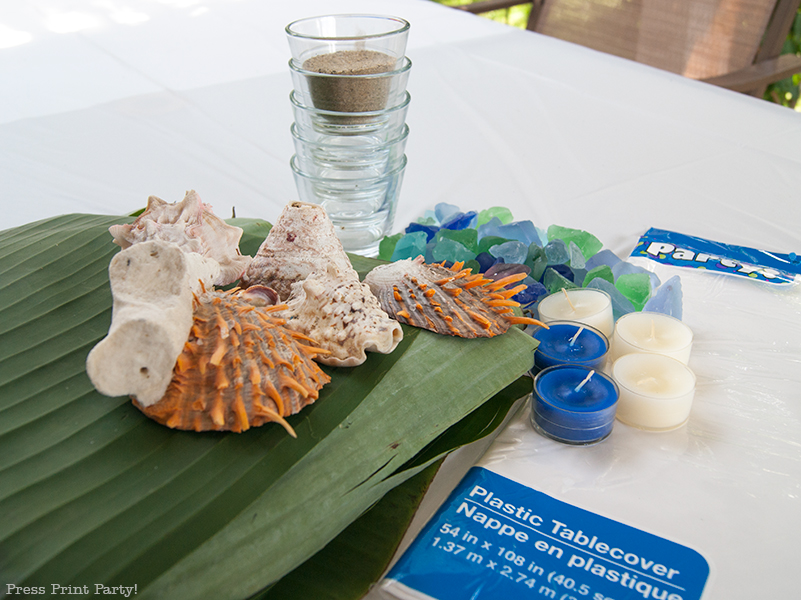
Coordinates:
(450, 301)
(343, 316)
(240, 368)
(193, 227)
(301, 241)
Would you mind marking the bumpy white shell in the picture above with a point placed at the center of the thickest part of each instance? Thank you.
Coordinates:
(304, 262)
(342, 316)
(302, 241)
(193, 227)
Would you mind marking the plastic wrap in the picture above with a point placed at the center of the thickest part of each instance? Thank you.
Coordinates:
(727, 484)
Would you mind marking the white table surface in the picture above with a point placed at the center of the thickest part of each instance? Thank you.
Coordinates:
(105, 102)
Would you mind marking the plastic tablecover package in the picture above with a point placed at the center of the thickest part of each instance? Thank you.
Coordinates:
(710, 510)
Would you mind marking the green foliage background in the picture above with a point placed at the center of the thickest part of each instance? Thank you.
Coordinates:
(784, 92)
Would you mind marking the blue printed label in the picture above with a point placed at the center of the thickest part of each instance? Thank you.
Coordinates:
(679, 250)
(494, 538)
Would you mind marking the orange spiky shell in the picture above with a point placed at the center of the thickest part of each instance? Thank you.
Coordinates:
(240, 368)
(448, 301)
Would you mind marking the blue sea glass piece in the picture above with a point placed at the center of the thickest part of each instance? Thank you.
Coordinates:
(461, 220)
(510, 252)
(620, 304)
(429, 215)
(576, 257)
(604, 257)
(565, 272)
(556, 252)
(578, 276)
(533, 292)
(430, 251)
(486, 260)
(430, 230)
(410, 245)
(452, 251)
(492, 227)
(667, 298)
(522, 231)
(626, 268)
(525, 230)
(444, 211)
(543, 236)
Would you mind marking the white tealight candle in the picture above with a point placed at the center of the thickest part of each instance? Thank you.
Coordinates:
(653, 333)
(586, 305)
(656, 391)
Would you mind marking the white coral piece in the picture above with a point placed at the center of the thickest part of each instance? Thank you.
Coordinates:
(152, 284)
(193, 227)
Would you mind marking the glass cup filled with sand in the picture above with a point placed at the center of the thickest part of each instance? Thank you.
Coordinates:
(349, 62)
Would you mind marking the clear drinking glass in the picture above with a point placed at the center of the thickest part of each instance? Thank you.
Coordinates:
(349, 35)
(361, 210)
(376, 126)
(348, 156)
(351, 93)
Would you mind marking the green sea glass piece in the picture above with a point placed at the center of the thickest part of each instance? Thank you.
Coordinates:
(503, 214)
(466, 237)
(448, 249)
(387, 246)
(555, 282)
(473, 266)
(587, 243)
(636, 287)
(536, 261)
(602, 271)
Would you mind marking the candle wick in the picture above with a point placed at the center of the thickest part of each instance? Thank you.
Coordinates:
(564, 290)
(573, 339)
(586, 379)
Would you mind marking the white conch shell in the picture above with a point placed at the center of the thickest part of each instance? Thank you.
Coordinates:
(342, 316)
(193, 227)
(301, 241)
(304, 262)
(152, 284)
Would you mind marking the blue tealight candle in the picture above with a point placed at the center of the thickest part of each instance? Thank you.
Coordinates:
(569, 342)
(573, 404)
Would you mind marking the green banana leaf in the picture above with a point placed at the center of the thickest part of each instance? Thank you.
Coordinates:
(354, 560)
(92, 492)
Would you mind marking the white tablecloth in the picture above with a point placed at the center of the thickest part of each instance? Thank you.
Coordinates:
(105, 103)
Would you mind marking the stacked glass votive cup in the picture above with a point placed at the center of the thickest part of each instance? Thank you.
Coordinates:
(349, 74)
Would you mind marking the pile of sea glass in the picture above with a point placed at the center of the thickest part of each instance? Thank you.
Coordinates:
(493, 243)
